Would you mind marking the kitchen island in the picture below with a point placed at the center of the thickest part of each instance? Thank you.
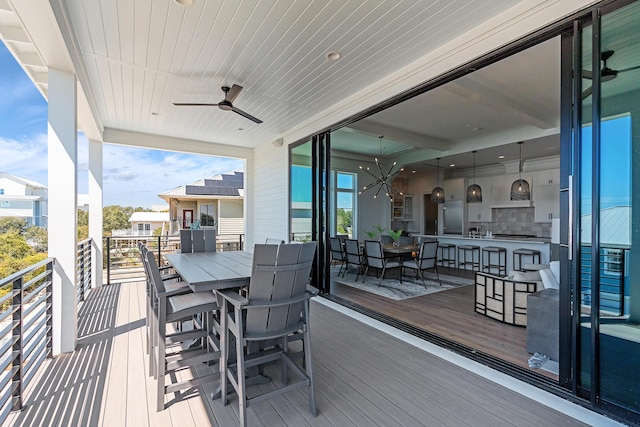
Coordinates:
(509, 243)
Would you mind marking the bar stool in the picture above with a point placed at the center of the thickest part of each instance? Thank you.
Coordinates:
(533, 253)
(463, 250)
(500, 265)
(447, 255)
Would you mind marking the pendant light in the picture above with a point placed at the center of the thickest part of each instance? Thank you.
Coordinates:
(474, 192)
(520, 189)
(437, 194)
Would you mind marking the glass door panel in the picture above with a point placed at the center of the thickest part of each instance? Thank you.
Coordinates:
(619, 280)
(301, 192)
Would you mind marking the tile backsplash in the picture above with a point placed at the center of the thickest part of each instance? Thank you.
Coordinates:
(514, 221)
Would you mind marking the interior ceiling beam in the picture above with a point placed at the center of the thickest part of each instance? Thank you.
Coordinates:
(473, 90)
(417, 140)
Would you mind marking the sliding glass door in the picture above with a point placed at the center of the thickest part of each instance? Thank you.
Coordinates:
(607, 154)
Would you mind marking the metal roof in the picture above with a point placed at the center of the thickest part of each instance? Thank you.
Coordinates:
(615, 226)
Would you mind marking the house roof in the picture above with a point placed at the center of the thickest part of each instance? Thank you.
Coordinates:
(24, 181)
(223, 185)
(615, 228)
(149, 217)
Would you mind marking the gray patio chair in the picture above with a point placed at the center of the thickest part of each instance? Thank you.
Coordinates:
(193, 241)
(173, 286)
(171, 309)
(337, 253)
(377, 260)
(354, 256)
(426, 260)
(275, 307)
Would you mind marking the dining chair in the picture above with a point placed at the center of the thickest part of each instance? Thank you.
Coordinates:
(354, 256)
(337, 253)
(377, 260)
(173, 286)
(194, 241)
(405, 240)
(181, 355)
(386, 239)
(275, 307)
(426, 260)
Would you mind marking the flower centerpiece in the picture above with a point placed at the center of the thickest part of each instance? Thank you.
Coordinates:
(395, 235)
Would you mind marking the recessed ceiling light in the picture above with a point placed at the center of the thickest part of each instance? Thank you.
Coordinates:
(477, 128)
(240, 128)
(155, 114)
(184, 3)
(452, 165)
(501, 157)
(413, 171)
(333, 56)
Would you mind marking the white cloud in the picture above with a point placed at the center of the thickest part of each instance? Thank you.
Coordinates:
(26, 158)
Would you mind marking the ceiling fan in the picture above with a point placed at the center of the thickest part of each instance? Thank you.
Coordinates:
(230, 95)
(606, 74)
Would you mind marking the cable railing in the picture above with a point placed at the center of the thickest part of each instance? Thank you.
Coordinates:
(26, 330)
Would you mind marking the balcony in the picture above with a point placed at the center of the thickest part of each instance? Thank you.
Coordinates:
(366, 374)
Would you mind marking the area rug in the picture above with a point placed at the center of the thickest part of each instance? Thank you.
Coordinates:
(392, 288)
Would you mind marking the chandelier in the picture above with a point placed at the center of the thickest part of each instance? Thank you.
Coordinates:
(382, 181)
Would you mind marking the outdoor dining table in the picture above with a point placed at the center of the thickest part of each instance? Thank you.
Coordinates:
(211, 271)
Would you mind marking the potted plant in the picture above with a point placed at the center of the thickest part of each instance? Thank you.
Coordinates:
(377, 229)
(395, 235)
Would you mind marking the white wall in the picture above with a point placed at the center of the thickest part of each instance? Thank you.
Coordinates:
(12, 188)
(270, 211)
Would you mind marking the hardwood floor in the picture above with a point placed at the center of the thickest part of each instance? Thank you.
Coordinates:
(450, 314)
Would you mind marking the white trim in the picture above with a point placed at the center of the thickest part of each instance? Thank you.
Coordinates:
(552, 401)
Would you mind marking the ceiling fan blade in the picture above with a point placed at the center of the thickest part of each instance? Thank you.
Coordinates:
(233, 93)
(587, 74)
(247, 115)
(637, 67)
(193, 104)
(587, 92)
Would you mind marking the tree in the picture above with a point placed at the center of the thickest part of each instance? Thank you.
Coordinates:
(117, 217)
(13, 246)
(12, 223)
(344, 220)
(83, 225)
(37, 238)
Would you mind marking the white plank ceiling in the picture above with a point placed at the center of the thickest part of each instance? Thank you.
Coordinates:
(143, 55)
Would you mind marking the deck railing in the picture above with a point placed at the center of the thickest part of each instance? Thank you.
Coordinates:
(83, 274)
(26, 330)
(122, 260)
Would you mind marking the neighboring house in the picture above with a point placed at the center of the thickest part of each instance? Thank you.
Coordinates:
(216, 202)
(145, 223)
(23, 198)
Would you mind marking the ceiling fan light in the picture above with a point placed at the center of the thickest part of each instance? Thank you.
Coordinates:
(184, 3)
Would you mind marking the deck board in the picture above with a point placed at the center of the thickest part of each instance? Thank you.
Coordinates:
(363, 377)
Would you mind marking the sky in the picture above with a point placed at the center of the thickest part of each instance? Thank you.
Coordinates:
(131, 176)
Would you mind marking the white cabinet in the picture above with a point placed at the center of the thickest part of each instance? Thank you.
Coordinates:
(402, 208)
(546, 195)
(454, 189)
(481, 212)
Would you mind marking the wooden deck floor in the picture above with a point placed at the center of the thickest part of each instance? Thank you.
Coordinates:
(363, 377)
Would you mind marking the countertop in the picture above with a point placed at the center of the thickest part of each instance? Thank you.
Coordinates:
(493, 239)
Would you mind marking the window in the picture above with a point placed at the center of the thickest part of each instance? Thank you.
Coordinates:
(345, 202)
(1, 191)
(207, 215)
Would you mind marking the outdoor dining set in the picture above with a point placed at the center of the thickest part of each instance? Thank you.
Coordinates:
(222, 316)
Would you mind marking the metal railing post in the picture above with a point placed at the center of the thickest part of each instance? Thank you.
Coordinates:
(159, 250)
(49, 279)
(17, 364)
(108, 260)
(241, 244)
(82, 267)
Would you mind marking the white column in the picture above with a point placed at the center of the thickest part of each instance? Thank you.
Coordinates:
(62, 228)
(95, 210)
(248, 204)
